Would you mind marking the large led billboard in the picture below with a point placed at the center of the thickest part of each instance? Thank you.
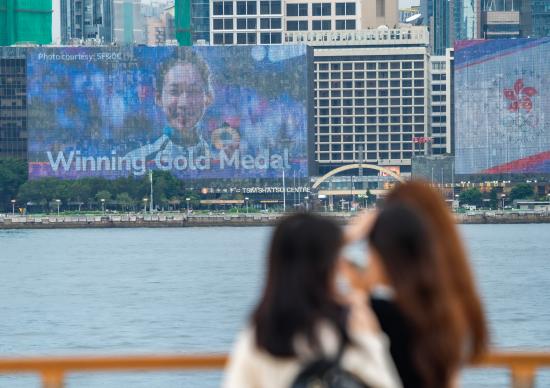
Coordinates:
(201, 112)
(502, 106)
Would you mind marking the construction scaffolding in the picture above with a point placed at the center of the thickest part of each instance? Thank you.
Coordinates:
(183, 22)
(25, 21)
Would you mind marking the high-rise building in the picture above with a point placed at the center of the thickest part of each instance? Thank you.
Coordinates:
(467, 19)
(200, 21)
(540, 10)
(13, 102)
(127, 22)
(437, 16)
(441, 103)
(502, 19)
(85, 20)
(102, 21)
(25, 21)
(264, 22)
(370, 96)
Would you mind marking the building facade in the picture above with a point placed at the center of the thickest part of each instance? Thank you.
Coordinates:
(503, 19)
(86, 20)
(102, 21)
(265, 22)
(441, 113)
(438, 17)
(13, 103)
(200, 21)
(370, 96)
(128, 22)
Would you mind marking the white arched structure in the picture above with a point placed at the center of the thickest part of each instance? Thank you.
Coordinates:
(354, 166)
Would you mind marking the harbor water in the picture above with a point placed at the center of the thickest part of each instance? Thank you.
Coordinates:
(146, 291)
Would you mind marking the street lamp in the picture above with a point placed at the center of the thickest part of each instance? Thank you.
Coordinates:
(145, 205)
(58, 202)
(187, 200)
(246, 200)
(103, 205)
(13, 207)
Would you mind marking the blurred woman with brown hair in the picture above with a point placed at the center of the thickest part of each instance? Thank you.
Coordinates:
(421, 287)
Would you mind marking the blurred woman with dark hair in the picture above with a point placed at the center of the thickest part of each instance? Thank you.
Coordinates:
(421, 287)
(301, 316)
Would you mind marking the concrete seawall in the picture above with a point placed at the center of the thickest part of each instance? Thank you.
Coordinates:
(178, 220)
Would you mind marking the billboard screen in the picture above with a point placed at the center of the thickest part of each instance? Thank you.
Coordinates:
(201, 112)
(502, 106)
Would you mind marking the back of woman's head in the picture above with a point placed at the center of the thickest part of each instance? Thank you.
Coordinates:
(299, 291)
(406, 246)
(430, 204)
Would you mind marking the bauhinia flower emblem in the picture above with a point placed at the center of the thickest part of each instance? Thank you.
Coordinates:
(520, 96)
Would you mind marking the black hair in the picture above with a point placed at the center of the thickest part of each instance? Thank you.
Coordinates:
(299, 293)
(184, 56)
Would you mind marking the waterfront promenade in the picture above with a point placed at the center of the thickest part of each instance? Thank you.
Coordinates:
(176, 219)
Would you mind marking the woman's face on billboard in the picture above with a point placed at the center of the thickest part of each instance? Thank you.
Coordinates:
(184, 97)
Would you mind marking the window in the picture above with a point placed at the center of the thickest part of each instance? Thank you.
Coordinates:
(218, 24)
(345, 24)
(251, 24)
(223, 38)
(251, 8)
(320, 9)
(273, 37)
(228, 8)
(296, 25)
(270, 23)
(296, 9)
(270, 7)
(241, 38)
(241, 10)
(321, 25)
(228, 24)
(345, 9)
(217, 8)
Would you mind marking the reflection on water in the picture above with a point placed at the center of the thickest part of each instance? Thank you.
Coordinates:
(121, 291)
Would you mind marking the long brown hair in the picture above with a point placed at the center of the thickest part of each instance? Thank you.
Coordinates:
(406, 246)
(430, 203)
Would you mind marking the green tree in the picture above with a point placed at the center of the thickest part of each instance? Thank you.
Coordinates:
(13, 174)
(471, 197)
(521, 191)
(124, 201)
(103, 194)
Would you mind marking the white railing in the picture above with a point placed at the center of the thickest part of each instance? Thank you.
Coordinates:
(372, 37)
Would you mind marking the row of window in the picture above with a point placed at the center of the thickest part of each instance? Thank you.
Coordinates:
(374, 101)
(398, 132)
(247, 38)
(372, 119)
(372, 111)
(361, 84)
(369, 65)
(372, 130)
(369, 156)
(247, 24)
(272, 7)
(398, 146)
(372, 75)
